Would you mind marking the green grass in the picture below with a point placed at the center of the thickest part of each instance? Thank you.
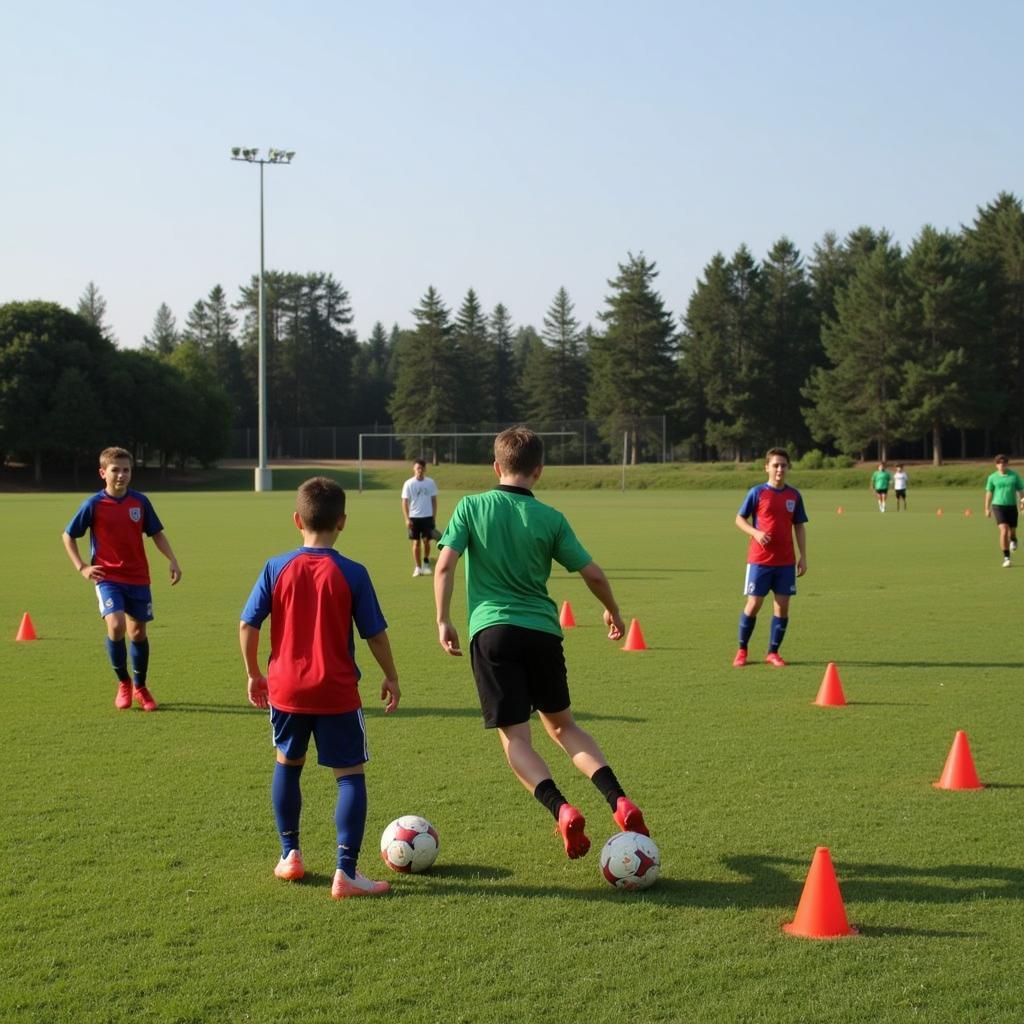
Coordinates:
(138, 848)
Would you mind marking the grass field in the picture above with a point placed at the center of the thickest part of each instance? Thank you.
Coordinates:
(137, 886)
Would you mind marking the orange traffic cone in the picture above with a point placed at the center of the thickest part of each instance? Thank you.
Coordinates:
(938, 511)
(830, 693)
(968, 512)
(839, 511)
(820, 914)
(634, 638)
(959, 772)
(566, 619)
(26, 631)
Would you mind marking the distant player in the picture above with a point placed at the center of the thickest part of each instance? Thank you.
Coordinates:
(117, 519)
(1004, 493)
(771, 515)
(313, 596)
(510, 539)
(899, 484)
(419, 509)
(880, 480)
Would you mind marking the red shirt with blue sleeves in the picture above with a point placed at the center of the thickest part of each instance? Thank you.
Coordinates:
(313, 596)
(776, 512)
(116, 527)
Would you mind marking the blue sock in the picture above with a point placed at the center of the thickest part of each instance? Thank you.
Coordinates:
(747, 624)
(350, 819)
(140, 660)
(117, 650)
(286, 796)
(778, 633)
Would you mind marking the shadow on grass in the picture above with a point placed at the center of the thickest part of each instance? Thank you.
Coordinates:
(581, 716)
(170, 707)
(935, 664)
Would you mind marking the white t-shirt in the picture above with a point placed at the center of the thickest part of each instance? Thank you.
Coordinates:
(899, 480)
(419, 493)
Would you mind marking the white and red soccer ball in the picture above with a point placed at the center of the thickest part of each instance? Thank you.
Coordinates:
(409, 844)
(630, 860)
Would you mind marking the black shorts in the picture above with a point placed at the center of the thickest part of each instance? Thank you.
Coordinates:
(901, 494)
(422, 529)
(1005, 515)
(882, 493)
(518, 671)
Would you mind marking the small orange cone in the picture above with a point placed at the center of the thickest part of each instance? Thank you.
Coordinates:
(968, 512)
(959, 772)
(635, 638)
(839, 511)
(566, 619)
(938, 511)
(26, 631)
(830, 693)
(820, 914)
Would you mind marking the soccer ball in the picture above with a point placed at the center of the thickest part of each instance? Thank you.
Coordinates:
(409, 843)
(630, 861)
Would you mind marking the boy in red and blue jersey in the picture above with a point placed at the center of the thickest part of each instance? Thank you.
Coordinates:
(117, 518)
(313, 596)
(772, 514)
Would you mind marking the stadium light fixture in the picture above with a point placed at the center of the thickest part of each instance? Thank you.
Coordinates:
(263, 480)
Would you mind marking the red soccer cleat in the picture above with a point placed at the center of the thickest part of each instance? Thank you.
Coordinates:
(145, 698)
(741, 658)
(571, 824)
(358, 885)
(124, 696)
(774, 660)
(629, 817)
(290, 868)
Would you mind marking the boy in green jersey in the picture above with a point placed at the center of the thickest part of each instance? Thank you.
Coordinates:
(509, 540)
(880, 480)
(1004, 491)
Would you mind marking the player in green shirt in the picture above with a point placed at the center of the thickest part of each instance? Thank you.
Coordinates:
(509, 540)
(1004, 492)
(880, 480)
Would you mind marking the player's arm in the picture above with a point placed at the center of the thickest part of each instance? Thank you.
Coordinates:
(405, 512)
(163, 545)
(249, 641)
(433, 505)
(594, 577)
(762, 538)
(380, 648)
(90, 572)
(444, 584)
(800, 535)
(988, 502)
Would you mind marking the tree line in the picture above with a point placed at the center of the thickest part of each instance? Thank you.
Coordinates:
(864, 348)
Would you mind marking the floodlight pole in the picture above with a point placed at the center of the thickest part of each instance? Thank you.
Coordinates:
(263, 479)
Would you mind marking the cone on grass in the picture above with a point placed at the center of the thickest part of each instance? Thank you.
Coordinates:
(820, 913)
(26, 631)
(839, 511)
(566, 619)
(938, 511)
(635, 638)
(959, 772)
(830, 693)
(968, 512)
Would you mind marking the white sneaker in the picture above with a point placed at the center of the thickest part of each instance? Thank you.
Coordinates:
(426, 571)
(1013, 545)
(1006, 563)
(417, 571)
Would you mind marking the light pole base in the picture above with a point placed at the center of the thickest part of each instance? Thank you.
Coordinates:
(263, 479)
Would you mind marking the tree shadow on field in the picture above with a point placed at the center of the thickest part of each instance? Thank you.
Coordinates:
(474, 712)
(936, 664)
(172, 707)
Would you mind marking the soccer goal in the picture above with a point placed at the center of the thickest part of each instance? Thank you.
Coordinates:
(429, 435)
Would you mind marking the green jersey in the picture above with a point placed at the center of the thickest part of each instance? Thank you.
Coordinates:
(1004, 487)
(509, 540)
(880, 479)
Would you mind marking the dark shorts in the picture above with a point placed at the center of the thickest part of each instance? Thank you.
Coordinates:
(422, 529)
(780, 579)
(883, 492)
(518, 671)
(135, 600)
(340, 739)
(901, 494)
(1005, 515)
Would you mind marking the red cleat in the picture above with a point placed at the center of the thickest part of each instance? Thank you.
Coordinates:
(124, 696)
(741, 658)
(358, 885)
(774, 660)
(629, 817)
(145, 698)
(571, 824)
(290, 868)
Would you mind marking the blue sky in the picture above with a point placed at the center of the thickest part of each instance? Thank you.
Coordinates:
(509, 148)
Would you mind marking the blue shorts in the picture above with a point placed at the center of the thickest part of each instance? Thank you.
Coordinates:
(134, 600)
(781, 579)
(340, 739)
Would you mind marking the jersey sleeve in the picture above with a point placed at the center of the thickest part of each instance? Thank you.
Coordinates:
(366, 612)
(151, 524)
(749, 506)
(568, 551)
(456, 534)
(405, 490)
(989, 486)
(81, 521)
(799, 513)
(257, 608)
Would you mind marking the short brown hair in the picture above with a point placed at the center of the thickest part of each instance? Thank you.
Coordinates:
(108, 455)
(518, 450)
(320, 502)
(776, 451)
(1001, 458)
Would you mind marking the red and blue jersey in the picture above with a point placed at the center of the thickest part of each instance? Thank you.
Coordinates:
(313, 596)
(776, 512)
(116, 527)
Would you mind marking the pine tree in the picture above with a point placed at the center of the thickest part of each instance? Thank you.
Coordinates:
(163, 339)
(473, 370)
(504, 381)
(92, 307)
(556, 387)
